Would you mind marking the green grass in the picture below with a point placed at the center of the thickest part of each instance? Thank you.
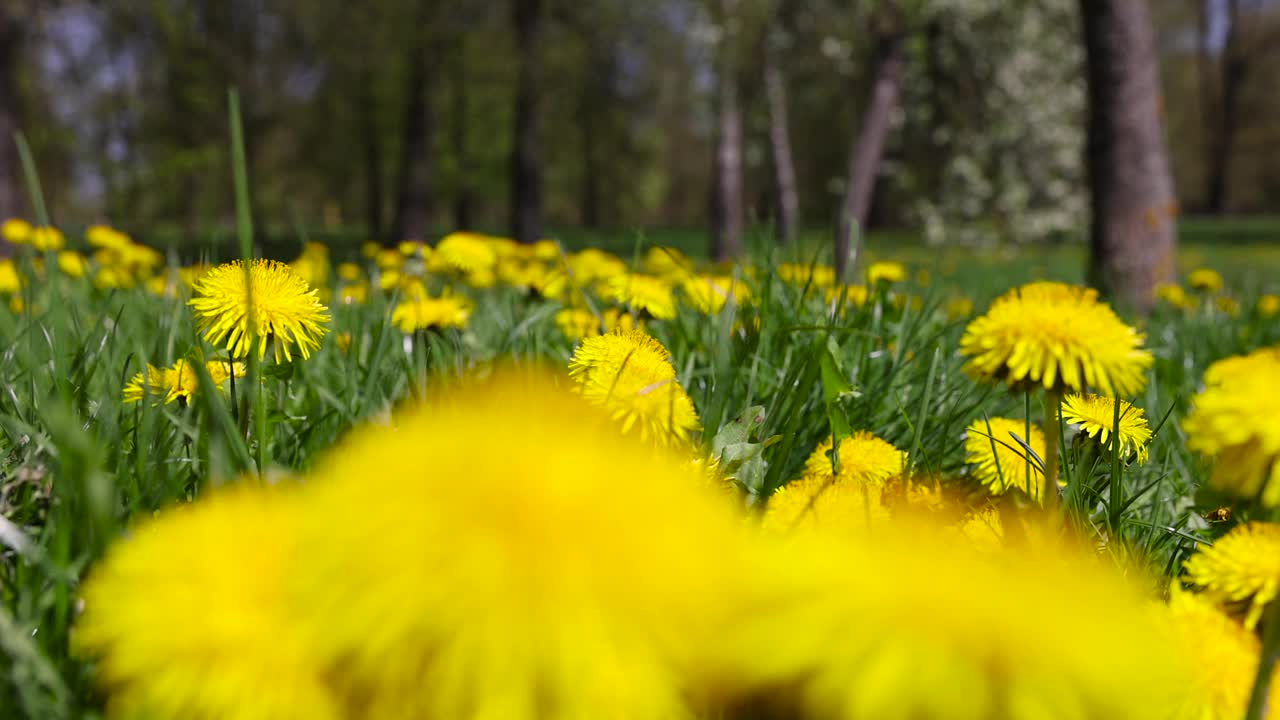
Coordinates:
(79, 466)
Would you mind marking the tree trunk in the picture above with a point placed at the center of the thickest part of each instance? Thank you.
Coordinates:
(726, 190)
(1131, 191)
(372, 159)
(1234, 69)
(784, 172)
(868, 148)
(464, 188)
(1208, 98)
(590, 166)
(526, 156)
(11, 204)
(413, 196)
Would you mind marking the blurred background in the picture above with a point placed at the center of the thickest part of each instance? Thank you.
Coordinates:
(957, 121)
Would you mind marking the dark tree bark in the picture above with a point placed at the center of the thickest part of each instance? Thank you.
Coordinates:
(372, 146)
(459, 105)
(11, 201)
(868, 147)
(1235, 67)
(787, 197)
(726, 189)
(1131, 190)
(413, 196)
(526, 156)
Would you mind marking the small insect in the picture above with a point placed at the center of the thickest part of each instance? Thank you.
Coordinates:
(1221, 514)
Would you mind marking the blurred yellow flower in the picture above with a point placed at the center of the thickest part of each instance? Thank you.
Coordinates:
(1222, 654)
(708, 294)
(577, 323)
(466, 252)
(388, 259)
(1205, 280)
(178, 382)
(105, 237)
(370, 249)
(10, 280)
(1057, 336)
(647, 293)
(419, 311)
(72, 263)
(193, 615)
(885, 271)
(349, 272)
(46, 238)
(573, 574)
(1269, 305)
(590, 265)
(819, 276)
(285, 310)
(109, 278)
(411, 248)
(16, 231)
(1227, 305)
(914, 625)
(1243, 565)
(846, 296)
(850, 497)
(354, 294)
(1174, 295)
(1233, 420)
(1096, 417)
(668, 262)
(999, 461)
(630, 374)
(863, 459)
(546, 250)
(958, 308)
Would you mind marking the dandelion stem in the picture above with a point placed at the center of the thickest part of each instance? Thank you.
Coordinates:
(1266, 663)
(1052, 401)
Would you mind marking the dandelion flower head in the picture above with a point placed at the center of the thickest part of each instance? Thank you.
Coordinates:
(885, 271)
(574, 574)
(15, 230)
(1243, 565)
(1057, 336)
(1096, 417)
(419, 311)
(466, 252)
(708, 294)
(191, 616)
(180, 381)
(1205, 280)
(999, 461)
(630, 373)
(1234, 421)
(647, 293)
(284, 309)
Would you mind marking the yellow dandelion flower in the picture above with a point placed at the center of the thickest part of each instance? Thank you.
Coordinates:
(46, 238)
(466, 252)
(388, 259)
(370, 249)
(1233, 420)
(191, 617)
(419, 311)
(615, 319)
(577, 323)
(820, 276)
(349, 272)
(1223, 657)
(523, 274)
(546, 250)
(410, 248)
(813, 502)
(847, 295)
(72, 263)
(631, 375)
(999, 461)
(1205, 280)
(885, 271)
(343, 340)
(863, 459)
(916, 625)
(16, 231)
(109, 278)
(1269, 305)
(1242, 565)
(180, 381)
(1058, 336)
(983, 529)
(1096, 417)
(708, 294)
(958, 308)
(647, 293)
(667, 262)
(284, 310)
(354, 294)
(1227, 305)
(103, 236)
(10, 280)
(590, 265)
(1175, 296)
(522, 584)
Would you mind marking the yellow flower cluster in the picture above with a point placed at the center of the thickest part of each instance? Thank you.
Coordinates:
(180, 381)
(419, 573)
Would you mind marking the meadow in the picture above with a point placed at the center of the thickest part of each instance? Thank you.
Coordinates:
(472, 478)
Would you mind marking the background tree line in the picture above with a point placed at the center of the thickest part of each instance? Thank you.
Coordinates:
(964, 118)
